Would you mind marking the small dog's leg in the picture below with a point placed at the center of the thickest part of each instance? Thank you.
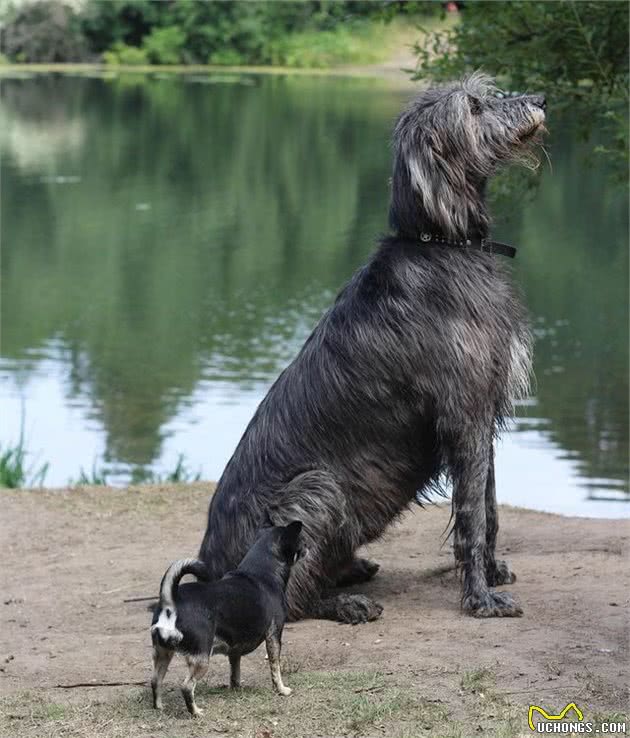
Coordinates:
(235, 671)
(497, 572)
(197, 667)
(274, 646)
(357, 571)
(469, 467)
(161, 660)
(348, 608)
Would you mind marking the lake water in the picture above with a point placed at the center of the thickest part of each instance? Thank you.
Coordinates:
(168, 244)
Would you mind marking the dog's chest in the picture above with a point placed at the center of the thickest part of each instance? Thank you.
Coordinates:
(224, 645)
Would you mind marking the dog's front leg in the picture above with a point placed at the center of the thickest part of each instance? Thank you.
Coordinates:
(470, 469)
(497, 572)
(235, 670)
(273, 642)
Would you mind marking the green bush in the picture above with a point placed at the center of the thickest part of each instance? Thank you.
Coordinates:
(320, 49)
(227, 57)
(165, 45)
(120, 53)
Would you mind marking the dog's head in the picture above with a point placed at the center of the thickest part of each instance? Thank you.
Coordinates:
(447, 143)
(286, 540)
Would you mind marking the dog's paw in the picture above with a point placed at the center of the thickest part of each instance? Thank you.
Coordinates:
(491, 605)
(196, 712)
(499, 573)
(357, 571)
(357, 608)
(285, 691)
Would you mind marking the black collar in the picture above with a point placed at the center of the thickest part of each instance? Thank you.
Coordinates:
(467, 244)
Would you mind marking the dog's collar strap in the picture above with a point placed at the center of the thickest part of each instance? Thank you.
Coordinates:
(473, 244)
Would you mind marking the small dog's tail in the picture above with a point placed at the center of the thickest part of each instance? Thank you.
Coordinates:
(165, 626)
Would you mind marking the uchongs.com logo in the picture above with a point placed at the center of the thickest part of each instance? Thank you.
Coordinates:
(570, 721)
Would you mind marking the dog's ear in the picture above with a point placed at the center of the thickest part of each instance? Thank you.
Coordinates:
(293, 530)
(291, 545)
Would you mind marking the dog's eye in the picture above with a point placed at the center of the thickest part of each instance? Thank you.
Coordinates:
(475, 104)
(168, 613)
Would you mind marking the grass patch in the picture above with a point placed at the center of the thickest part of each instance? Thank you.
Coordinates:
(353, 704)
(478, 681)
(98, 475)
(181, 473)
(339, 704)
(14, 471)
(94, 476)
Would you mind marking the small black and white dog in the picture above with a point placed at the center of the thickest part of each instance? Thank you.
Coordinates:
(231, 617)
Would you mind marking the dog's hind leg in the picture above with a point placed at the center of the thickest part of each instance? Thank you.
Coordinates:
(331, 533)
(161, 660)
(235, 671)
(273, 641)
(197, 667)
(497, 572)
(470, 469)
(356, 571)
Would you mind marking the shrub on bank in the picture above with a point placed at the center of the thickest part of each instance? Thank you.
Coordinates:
(164, 45)
(320, 49)
(121, 54)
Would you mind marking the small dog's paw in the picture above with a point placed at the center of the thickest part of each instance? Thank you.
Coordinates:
(357, 608)
(158, 706)
(197, 712)
(285, 691)
(499, 573)
(492, 605)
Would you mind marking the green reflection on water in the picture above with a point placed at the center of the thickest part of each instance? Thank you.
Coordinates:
(164, 232)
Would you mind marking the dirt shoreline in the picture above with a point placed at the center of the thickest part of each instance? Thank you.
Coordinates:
(71, 558)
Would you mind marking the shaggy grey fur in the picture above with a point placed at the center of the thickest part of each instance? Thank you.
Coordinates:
(407, 377)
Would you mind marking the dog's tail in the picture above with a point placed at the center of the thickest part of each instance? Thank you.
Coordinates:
(164, 626)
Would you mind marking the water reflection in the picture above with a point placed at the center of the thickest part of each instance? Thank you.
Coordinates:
(168, 245)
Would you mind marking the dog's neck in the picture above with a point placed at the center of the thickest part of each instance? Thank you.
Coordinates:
(260, 563)
(409, 219)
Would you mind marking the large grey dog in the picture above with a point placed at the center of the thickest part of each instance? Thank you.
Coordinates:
(408, 377)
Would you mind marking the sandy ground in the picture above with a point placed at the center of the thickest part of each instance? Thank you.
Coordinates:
(71, 558)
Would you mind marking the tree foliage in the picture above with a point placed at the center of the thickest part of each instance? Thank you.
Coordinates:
(47, 31)
(534, 44)
(190, 31)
